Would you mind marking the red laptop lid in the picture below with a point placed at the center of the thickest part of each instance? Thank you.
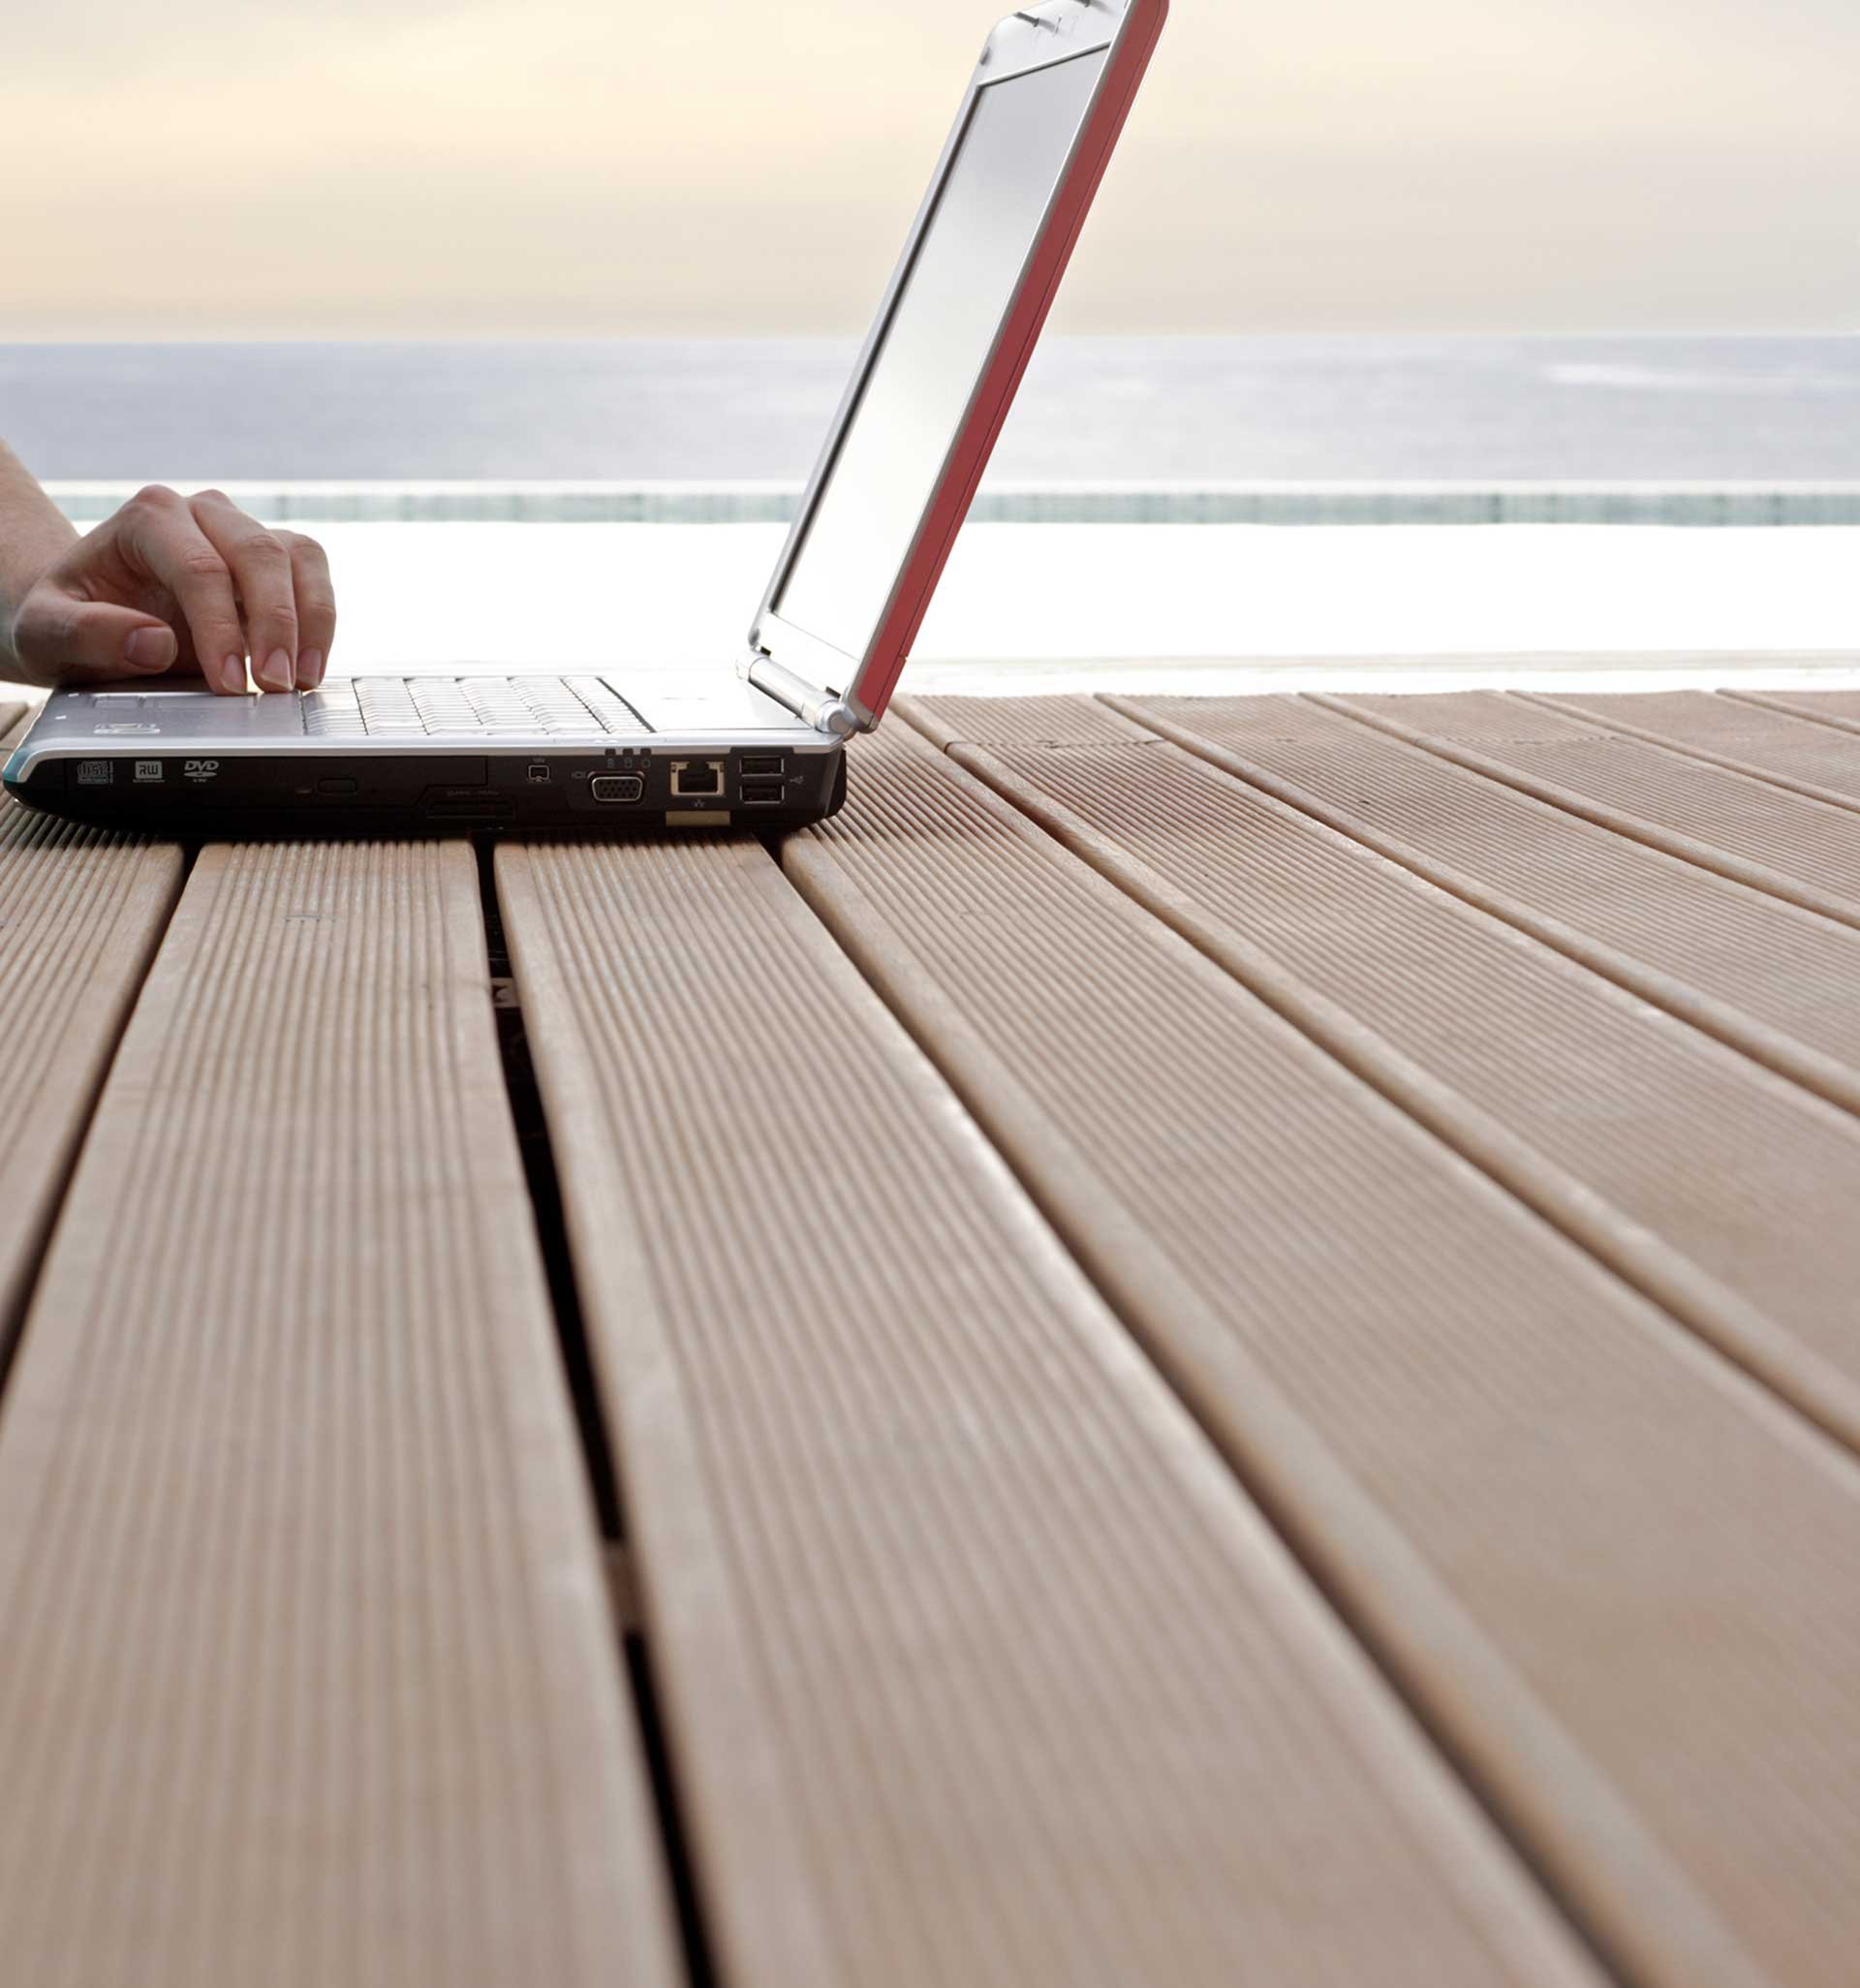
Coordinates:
(952, 337)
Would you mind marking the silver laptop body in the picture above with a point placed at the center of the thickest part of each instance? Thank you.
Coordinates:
(762, 744)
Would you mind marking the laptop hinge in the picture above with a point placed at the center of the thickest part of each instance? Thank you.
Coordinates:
(823, 709)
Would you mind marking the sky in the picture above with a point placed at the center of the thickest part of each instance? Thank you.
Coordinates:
(417, 168)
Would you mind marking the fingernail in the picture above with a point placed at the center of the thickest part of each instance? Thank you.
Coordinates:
(309, 670)
(149, 648)
(275, 672)
(233, 675)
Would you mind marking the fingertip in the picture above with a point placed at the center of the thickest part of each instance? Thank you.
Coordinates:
(152, 648)
(275, 673)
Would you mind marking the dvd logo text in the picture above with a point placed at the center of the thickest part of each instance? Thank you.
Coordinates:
(199, 770)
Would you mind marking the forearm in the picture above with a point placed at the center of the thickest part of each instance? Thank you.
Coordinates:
(34, 535)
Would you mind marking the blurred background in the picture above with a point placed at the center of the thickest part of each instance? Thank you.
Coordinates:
(558, 274)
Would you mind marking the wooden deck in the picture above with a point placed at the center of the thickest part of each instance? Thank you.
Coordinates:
(1210, 1342)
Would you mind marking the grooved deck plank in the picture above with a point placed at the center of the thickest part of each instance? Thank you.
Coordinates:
(308, 1672)
(80, 914)
(1749, 1238)
(1728, 731)
(1607, 1564)
(1743, 826)
(1775, 981)
(979, 1667)
(1838, 709)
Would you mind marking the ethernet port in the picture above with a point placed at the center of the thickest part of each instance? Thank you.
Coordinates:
(696, 777)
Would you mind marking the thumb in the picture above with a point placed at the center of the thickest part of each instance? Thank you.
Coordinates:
(58, 637)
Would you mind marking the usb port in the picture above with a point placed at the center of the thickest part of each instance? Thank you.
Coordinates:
(616, 786)
(753, 764)
(761, 793)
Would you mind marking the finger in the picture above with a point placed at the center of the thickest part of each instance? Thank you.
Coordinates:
(60, 636)
(260, 570)
(316, 607)
(157, 531)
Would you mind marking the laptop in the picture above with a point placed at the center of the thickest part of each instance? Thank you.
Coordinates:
(758, 741)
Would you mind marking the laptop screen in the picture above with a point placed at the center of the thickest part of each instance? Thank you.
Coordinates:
(922, 376)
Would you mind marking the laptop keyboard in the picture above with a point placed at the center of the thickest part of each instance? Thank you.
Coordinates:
(472, 706)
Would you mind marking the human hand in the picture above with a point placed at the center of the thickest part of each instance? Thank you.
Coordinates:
(180, 583)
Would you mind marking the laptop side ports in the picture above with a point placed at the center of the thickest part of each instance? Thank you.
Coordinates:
(693, 777)
(621, 788)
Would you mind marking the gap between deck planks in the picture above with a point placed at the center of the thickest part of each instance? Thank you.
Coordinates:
(1446, 1409)
(1738, 824)
(309, 1675)
(1547, 1075)
(1763, 974)
(1788, 748)
(978, 1666)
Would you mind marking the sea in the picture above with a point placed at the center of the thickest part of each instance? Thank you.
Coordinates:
(1184, 409)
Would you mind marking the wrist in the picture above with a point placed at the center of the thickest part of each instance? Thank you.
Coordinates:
(33, 536)
(23, 562)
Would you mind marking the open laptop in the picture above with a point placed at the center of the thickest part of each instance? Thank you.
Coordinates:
(762, 744)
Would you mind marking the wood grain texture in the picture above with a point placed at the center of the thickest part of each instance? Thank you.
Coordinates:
(1727, 732)
(1770, 978)
(1839, 709)
(1568, 1088)
(308, 1674)
(979, 1667)
(1604, 1561)
(1738, 824)
(80, 914)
